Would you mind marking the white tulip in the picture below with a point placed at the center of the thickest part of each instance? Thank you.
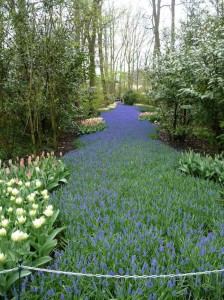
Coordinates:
(37, 223)
(20, 211)
(18, 236)
(2, 257)
(19, 200)
(48, 212)
(21, 219)
(2, 232)
(44, 193)
(15, 192)
(5, 223)
(38, 183)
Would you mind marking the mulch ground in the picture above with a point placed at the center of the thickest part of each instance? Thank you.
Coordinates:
(201, 146)
(67, 143)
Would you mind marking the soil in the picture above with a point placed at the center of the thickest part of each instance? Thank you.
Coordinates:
(201, 146)
(67, 143)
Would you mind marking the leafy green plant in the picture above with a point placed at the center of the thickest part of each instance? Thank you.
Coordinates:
(205, 167)
(187, 84)
(130, 97)
(155, 118)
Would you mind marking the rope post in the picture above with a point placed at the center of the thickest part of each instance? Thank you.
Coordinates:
(20, 270)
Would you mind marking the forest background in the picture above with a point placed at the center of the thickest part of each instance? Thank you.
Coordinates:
(62, 60)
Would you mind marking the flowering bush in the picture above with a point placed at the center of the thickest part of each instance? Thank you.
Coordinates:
(92, 125)
(26, 218)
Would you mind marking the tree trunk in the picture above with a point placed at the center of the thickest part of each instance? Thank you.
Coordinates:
(156, 22)
(101, 57)
(172, 25)
(1, 63)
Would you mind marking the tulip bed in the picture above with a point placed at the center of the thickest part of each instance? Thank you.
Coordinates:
(128, 210)
(153, 117)
(27, 218)
(91, 125)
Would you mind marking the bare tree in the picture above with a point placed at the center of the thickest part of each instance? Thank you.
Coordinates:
(173, 3)
(156, 9)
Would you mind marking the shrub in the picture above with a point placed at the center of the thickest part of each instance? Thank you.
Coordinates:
(130, 97)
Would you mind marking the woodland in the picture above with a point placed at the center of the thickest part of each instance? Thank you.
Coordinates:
(60, 61)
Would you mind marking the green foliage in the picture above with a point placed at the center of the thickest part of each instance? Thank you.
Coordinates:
(130, 97)
(42, 71)
(148, 108)
(205, 167)
(187, 84)
(27, 226)
(155, 118)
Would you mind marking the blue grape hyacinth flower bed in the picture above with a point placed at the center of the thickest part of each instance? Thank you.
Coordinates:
(129, 211)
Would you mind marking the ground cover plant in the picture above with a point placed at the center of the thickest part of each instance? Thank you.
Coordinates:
(128, 210)
(27, 219)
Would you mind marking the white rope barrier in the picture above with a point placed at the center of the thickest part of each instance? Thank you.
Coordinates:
(8, 271)
(114, 276)
(123, 276)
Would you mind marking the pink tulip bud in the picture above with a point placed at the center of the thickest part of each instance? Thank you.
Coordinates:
(22, 162)
(28, 173)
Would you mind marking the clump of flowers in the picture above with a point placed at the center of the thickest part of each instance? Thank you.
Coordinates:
(92, 125)
(150, 116)
(26, 217)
